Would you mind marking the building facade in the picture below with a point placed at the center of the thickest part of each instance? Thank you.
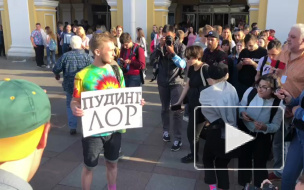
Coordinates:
(18, 17)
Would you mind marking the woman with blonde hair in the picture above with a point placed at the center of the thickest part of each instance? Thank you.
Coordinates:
(140, 40)
(51, 46)
(85, 40)
(226, 34)
(113, 31)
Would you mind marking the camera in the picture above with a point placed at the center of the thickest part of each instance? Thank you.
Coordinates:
(169, 40)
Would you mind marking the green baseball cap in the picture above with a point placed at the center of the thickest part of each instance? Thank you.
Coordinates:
(24, 107)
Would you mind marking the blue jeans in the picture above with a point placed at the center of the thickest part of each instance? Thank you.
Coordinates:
(278, 142)
(72, 120)
(50, 54)
(132, 80)
(294, 161)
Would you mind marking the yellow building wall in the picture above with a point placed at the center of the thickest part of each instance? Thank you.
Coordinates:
(119, 18)
(6, 26)
(262, 15)
(32, 14)
(46, 18)
(253, 15)
(300, 16)
(161, 17)
(150, 19)
(114, 18)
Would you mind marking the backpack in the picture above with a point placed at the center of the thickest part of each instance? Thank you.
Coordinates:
(117, 74)
(53, 45)
(263, 64)
(142, 71)
(276, 102)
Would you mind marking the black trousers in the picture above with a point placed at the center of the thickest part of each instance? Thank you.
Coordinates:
(257, 150)
(2, 50)
(59, 48)
(191, 127)
(39, 51)
(214, 157)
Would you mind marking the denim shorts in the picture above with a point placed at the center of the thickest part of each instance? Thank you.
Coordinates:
(92, 147)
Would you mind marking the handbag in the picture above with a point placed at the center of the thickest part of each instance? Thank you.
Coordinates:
(203, 126)
(204, 129)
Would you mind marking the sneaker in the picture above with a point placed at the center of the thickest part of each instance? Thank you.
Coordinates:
(186, 118)
(176, 145)
(73, 132)
(121, 154)
(166, 136)
(48, 66)
(188, 159)
(250, 187)
(273, 176)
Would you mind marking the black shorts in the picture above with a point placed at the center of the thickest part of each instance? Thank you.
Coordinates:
(92, 147)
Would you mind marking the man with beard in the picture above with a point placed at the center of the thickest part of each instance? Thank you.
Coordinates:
(213, 53)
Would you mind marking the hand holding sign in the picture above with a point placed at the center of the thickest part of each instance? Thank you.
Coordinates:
(76, 108)
(110, 110)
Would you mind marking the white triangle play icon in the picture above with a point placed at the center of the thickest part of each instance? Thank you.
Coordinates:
(235, 138)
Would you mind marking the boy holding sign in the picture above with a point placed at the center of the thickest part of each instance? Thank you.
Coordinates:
(99, 76)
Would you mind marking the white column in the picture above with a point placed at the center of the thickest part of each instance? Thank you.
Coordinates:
(281, 13)
(66, 12)
(162, 3)
(141, 16)
(78, 11)
(112, 3)
(129, 17)
(19, 19)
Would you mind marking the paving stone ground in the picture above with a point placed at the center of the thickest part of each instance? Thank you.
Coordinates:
(149, 164)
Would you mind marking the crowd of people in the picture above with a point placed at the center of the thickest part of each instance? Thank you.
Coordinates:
(239, 68)
(214, 67)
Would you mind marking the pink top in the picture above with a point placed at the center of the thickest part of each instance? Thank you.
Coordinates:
(191, 39)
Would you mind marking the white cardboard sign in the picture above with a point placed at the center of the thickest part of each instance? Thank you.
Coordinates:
(111, 110)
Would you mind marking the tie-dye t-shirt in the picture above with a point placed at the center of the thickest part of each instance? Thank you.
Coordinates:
(93, 78)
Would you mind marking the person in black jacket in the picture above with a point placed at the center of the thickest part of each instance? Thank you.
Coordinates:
(213, 52)
(169, 54)
(248, 62)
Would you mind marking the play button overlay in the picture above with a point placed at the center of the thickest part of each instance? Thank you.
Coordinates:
(235, 138)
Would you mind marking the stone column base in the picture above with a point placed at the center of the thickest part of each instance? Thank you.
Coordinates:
(20, 52)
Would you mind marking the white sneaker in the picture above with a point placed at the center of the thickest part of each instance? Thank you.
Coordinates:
(48, 67)
(186, 118)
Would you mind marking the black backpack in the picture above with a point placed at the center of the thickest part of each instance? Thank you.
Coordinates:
(117, 74)
(276, 102)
